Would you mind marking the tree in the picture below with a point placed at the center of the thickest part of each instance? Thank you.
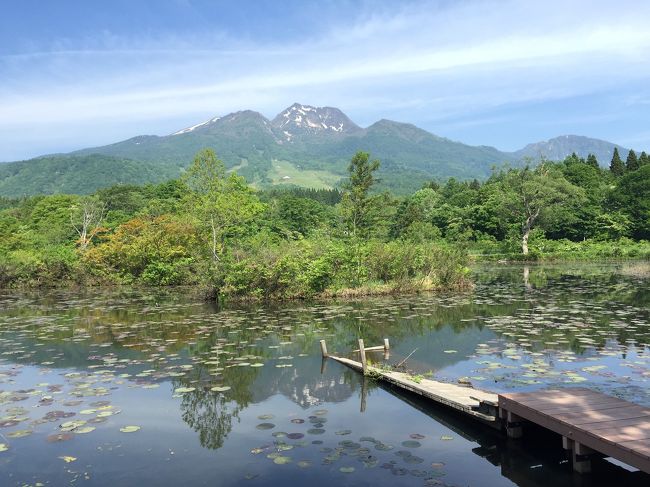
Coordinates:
(592, 161)
(632, 197)
(359, 209)
(632, 163)
(87, 218)
(222, 203)
(527, 193)
(644, 159)
(616, 167)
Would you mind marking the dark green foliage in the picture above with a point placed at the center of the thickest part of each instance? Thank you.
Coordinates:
(83, 174)
(644, 159)
(301, 215)
(632, 163)
(328, 197)
(616, 167)
(632, 197)
(592, 161)
(359, 207)
(212, 229)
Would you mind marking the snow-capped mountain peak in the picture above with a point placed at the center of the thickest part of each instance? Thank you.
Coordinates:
(301, 119)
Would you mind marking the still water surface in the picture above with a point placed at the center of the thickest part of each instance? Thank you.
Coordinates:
(140, 387)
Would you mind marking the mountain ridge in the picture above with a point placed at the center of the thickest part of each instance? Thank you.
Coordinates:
(303, 144)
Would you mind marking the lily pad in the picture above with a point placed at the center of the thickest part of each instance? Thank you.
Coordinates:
(130, 429)
(183, 390)
(19, 433)
(411, 444)
(265, 426)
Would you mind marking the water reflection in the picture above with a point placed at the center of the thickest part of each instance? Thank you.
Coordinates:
(184, 370)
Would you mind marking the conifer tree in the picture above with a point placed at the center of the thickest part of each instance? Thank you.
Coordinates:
(632, 163)
(644, 159)
(616, 167)
(592, 161)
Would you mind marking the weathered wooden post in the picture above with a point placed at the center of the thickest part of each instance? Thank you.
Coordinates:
(364, 393)
(513, 424)
(323, 348)
(362, 352)
(386, 349)
(580, 455)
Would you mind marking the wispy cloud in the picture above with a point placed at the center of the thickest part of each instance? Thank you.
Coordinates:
(425, 62)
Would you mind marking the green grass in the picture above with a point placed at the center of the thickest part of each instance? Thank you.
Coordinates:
(284, 172)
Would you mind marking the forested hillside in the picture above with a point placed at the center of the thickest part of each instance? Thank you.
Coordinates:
(302, 146)
(211, 228)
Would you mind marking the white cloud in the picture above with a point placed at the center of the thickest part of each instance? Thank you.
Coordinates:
(452, 60)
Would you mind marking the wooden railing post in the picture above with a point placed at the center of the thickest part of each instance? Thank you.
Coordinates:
(362, 352)
(323, 348)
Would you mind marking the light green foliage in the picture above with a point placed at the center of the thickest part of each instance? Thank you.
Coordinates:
(153, 251)
(359, 208)
(212, 229)
(531, 194)
(222, 204)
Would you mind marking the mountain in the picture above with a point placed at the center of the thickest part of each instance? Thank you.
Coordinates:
(560, 147)
(76, 174)
(303, 145)
(299, 121)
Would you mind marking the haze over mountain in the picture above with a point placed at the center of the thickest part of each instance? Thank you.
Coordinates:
(303, 145)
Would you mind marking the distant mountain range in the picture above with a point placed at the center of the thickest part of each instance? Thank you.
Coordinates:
(303, 145)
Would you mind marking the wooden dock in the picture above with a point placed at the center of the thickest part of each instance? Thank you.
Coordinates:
(478, 404)
(590, 423)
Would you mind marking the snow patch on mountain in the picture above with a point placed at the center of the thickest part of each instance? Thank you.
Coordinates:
(309, 120)
(194, 127)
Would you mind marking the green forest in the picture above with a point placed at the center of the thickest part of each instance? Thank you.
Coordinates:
(211, 230)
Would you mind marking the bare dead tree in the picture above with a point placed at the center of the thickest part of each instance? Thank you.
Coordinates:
(87, 220)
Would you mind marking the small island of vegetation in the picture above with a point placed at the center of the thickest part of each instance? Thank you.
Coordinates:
(212, 230)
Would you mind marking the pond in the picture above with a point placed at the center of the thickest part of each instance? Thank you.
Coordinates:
(154, 387)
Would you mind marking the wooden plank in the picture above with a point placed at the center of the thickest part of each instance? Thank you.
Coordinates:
(462, 398)
(639, 446)
(587, 417)
(619, 423)
(549, 393)
(571, 401)
(596, 406)
(578, 425)
(617, 435)
(602, 407)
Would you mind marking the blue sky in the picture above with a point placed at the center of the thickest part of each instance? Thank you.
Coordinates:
(75, 74)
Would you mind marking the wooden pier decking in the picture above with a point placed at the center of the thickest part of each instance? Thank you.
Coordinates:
(476, 403)
(588, 421)
(591, 424)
